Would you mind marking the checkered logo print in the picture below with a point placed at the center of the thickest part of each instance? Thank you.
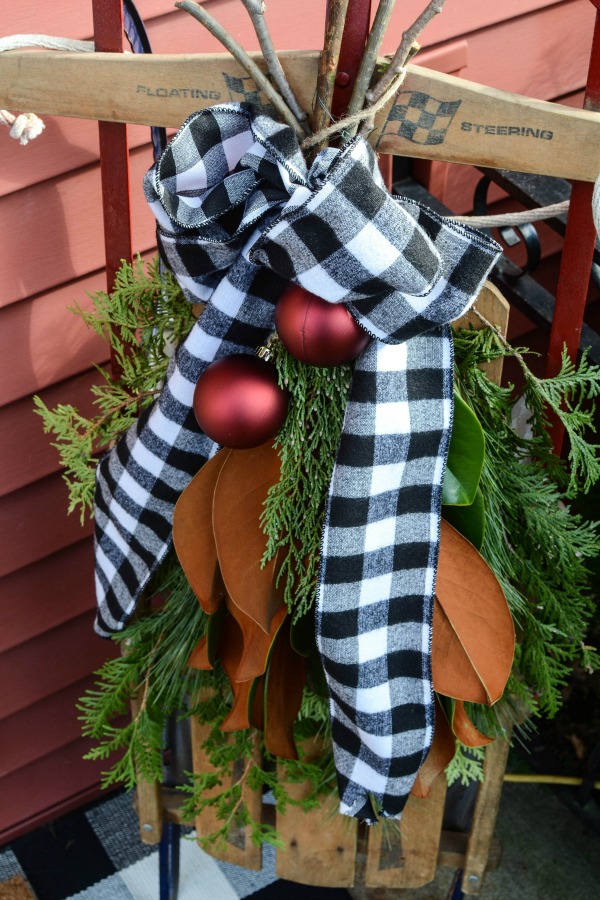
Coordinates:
(420, 118)
(243, 90)
(404, 273)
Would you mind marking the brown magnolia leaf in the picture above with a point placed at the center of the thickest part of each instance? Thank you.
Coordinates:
(231, 644)
(193, 534)
(256, 643)
(199, 656)
(206, 652)
(285, 680)
(239, 497)
(442, 750)
(237, 718)
(464, 729)
(473, 633)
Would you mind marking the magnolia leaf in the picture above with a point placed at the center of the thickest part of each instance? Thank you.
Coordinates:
(198, 658)
(464, 729)
(473, 633)
(469, 520)
(441, 752)
(284, 685)
(193, 534)
(214, 626)
(231, 645)
(465, 456)
(239, 497)
(256, 644)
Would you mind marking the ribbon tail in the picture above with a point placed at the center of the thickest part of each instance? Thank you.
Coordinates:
(139, 481)
(377, 579)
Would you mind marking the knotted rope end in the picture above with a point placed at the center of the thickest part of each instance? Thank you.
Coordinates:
(23, 127)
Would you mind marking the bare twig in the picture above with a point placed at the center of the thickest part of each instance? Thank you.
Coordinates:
(369, 60)
(400, 58)
(238, 52)
(256, 11)
(346, 124)
(334, 29)
(387, 86)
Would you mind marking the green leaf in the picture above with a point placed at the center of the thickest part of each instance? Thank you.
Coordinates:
(469, 520)
(465, 456)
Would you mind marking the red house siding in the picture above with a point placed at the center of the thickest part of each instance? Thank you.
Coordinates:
(52, 243)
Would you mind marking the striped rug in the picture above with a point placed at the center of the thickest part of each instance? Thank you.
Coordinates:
(96, 854)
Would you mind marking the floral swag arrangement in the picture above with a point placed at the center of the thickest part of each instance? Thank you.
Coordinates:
(322, 555)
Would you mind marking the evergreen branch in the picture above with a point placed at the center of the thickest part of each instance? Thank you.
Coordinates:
(295, 507)
(158, 646)
(141, 319)
(546, 581)
(466, 765)
(570, 395)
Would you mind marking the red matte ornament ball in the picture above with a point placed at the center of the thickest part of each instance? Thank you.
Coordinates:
(317, 332)
(238, 402)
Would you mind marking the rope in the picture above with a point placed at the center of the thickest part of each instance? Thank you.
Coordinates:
(596, 205)
(27, 126)
(532, 215)
(515, 218)
(19, 41)
(342, 124)
(24, 127)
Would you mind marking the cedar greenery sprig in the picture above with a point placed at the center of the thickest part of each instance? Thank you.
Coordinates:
(234, 767)
(152, 671)
(308, 441)
(238, 762)
(466, 766)
(534, 543)
(142, 319)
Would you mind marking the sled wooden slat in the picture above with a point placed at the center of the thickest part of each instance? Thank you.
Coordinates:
(493, 307)
(435, 116)
(320, 845)
(408, 859)
(238, 848)
(484, 816)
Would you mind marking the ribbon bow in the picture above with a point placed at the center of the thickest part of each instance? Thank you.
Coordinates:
(239, 216)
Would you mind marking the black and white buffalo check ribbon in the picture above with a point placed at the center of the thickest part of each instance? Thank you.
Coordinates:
(239, 215)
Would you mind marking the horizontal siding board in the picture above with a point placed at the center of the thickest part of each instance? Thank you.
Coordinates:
(42, 342)
(32, 456)
(533, 44)
(58, 238)
(33, 794)
(463, 17)
(74, 18)
(42, 728)
(300, 26)
(46, 594)
(49, 663)
(65, 145)
(34, 524)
